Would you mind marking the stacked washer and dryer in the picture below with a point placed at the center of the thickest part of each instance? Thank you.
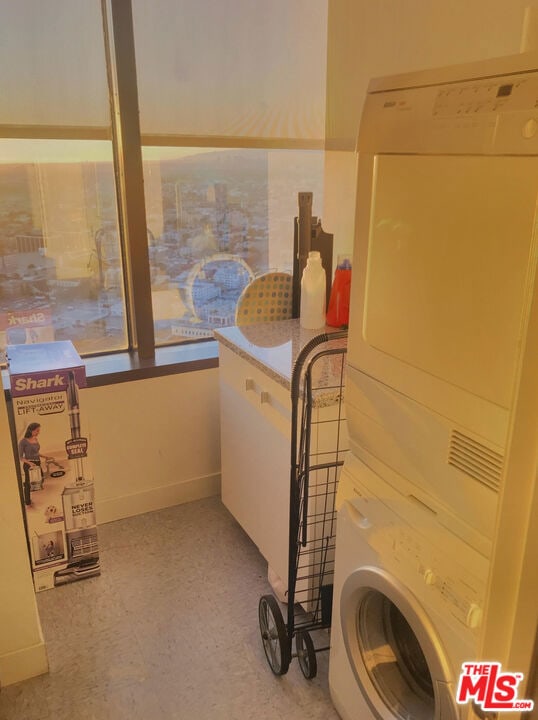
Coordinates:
(445, 255)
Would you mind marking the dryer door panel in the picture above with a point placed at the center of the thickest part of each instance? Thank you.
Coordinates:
(444, 251)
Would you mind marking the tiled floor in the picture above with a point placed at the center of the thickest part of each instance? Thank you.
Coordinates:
(169, 631)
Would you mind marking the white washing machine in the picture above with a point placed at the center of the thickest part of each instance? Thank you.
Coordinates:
(407, 605)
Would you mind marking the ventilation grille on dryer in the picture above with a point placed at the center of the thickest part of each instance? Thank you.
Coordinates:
(476, 460)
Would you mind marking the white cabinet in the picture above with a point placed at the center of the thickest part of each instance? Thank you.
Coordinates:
(255, 455)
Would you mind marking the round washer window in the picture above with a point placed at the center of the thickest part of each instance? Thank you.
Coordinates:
(393, 658)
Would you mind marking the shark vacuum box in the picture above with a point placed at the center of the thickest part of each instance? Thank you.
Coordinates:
(56, 477)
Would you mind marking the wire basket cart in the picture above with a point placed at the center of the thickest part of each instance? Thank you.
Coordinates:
(318, 447)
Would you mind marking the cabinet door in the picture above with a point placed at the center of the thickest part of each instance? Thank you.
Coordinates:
(255, 447)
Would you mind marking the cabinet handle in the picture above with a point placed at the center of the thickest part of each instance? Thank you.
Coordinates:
(249, 384)
(265, 397)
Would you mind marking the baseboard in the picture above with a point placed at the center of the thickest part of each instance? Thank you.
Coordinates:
(157, 498)
(23, 664)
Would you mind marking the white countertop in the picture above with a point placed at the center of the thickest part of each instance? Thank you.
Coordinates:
(274, 347)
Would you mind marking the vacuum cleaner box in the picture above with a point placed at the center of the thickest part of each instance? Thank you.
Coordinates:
(56, 478)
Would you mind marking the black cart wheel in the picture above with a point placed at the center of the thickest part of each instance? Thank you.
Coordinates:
(306, 655)
(274, 635)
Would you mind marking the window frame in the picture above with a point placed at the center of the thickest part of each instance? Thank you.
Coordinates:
(127, 143)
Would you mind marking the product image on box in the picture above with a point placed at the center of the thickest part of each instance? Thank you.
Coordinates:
(56, 479)
(48, 547)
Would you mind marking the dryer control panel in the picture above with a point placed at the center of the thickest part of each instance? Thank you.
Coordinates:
(492, 95)
(471, 110)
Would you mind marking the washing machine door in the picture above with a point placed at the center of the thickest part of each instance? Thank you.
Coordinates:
(394, 650)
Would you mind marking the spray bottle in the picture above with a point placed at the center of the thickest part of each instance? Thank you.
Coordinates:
(313, 288)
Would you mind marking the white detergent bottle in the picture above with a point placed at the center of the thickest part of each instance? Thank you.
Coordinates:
(313, 288)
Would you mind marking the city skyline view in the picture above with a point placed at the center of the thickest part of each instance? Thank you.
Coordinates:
(216, 219)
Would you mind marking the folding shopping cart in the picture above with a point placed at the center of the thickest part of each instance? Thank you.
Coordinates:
(318, 447)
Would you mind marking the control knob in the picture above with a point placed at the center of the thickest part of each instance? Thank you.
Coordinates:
(474, 616)
(429, 576)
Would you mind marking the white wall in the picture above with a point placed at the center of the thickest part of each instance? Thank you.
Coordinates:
(153, 443)
(22, 650)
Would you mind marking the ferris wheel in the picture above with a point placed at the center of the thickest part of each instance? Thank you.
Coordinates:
(216, 280)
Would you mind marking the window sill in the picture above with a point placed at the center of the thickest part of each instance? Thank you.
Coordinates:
(126, 367)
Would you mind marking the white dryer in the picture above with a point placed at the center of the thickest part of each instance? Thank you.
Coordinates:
(445, 256)
(407, 605)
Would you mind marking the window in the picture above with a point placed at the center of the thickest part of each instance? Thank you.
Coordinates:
(231, 99)
(60, 263)
(216, 219)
